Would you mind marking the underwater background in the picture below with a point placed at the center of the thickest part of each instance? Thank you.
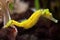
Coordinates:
(44, 29)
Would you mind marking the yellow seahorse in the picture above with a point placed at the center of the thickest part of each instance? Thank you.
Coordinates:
(32, 20)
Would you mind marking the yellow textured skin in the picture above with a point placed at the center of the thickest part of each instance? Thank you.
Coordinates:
(30, 22)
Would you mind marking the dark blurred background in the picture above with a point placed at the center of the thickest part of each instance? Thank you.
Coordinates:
(45, 29)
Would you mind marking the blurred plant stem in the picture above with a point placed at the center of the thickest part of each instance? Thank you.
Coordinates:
(37, 6)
